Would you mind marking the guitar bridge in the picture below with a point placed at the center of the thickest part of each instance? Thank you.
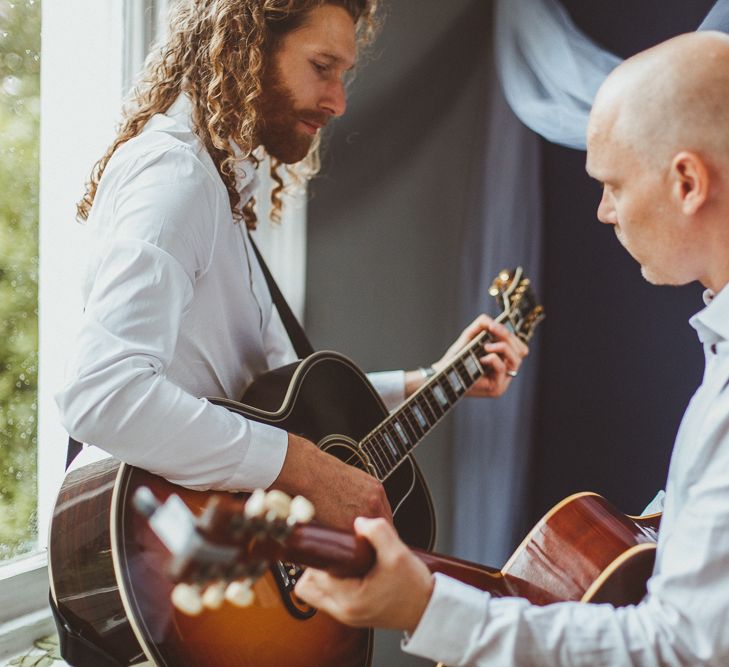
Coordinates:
(286, 575)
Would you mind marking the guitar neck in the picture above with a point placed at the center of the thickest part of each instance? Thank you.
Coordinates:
(348, 555)
(398, 435)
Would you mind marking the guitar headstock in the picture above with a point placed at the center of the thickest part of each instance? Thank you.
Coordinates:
(218, 555)
(520, 309)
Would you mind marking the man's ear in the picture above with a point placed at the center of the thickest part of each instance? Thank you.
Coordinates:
(690, 177)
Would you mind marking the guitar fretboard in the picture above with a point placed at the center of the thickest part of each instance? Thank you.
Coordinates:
(397, 436)
(387, 446)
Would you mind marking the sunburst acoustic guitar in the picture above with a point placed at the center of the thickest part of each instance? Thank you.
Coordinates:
(194, 572)
(326, 398)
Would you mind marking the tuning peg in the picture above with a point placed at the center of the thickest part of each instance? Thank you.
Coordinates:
(278, 504)
(186, 598)
(301, 510)
(256, 504)
(239, 593)
(214, 595)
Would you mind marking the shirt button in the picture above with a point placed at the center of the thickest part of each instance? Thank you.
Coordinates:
(713, 348)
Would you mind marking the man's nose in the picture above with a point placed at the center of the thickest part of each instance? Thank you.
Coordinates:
(606, 211)
(335, 99)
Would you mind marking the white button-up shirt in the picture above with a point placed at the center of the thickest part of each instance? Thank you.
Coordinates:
(684, 618)
(176, 308)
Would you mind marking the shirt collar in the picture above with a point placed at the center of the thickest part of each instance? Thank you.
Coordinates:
(177, 120)
(712, 322)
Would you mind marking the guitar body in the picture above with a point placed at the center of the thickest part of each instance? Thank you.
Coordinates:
(108, 569)
(109, 579)
(327, 399)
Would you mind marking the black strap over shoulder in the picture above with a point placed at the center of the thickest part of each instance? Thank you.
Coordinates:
(296, 333)
(74, 449)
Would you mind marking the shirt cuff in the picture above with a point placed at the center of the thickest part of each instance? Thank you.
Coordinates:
(454, 613)
(390, 386)
(264, 459)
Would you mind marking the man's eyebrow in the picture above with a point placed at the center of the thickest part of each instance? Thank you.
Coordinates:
(334, 59)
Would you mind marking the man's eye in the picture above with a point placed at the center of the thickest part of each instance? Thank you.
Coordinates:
(319, 67)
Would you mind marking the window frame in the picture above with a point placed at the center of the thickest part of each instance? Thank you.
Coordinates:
(76, 126)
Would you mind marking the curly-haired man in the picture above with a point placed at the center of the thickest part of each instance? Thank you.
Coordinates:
(176, 306)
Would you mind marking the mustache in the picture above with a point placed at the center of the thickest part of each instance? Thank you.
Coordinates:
(315, 117)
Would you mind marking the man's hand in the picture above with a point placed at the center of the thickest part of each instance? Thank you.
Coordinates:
(503, 359)
(340, 492)
(394, 594)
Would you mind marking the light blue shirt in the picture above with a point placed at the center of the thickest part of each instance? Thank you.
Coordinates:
(684, 618)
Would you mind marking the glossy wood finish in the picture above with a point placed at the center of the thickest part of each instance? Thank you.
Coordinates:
(109, 573)
(584, 549)
(83, 583)
(571, 553)
(263, 635)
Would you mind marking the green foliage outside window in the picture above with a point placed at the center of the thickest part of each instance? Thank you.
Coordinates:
(19, 176)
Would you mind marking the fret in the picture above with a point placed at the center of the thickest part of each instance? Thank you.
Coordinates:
(412, 423)
(466, 378)
(440, 397)
(445, 385)
(389, 459)
(400, 431)
(392, 447)
(420, 417)
(455, 381)
(473, 366)
(410, 426)
(429, 409)
(371, 448)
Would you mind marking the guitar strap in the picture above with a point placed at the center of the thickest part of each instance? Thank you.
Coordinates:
(295, 331)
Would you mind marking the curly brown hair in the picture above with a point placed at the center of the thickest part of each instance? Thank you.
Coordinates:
(215, 53)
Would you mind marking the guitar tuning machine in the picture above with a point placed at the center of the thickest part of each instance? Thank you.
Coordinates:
(240, 593)
(187, 599)
(214, 595)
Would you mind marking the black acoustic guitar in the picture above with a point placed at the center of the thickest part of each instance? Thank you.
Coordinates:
(326, 398)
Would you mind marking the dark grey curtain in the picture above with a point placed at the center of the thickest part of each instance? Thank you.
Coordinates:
(399, 258)
(492, 440)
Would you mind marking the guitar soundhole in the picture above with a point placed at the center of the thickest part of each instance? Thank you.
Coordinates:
(286, 575)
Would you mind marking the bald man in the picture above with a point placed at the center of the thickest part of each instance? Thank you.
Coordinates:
(658, 141)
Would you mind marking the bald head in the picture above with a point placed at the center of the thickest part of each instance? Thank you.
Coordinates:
(669, 98)
(658, 141)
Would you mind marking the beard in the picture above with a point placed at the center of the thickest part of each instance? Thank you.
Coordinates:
(278, 128)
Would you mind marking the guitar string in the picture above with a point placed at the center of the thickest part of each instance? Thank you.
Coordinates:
(427, 395)
(382, 451)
